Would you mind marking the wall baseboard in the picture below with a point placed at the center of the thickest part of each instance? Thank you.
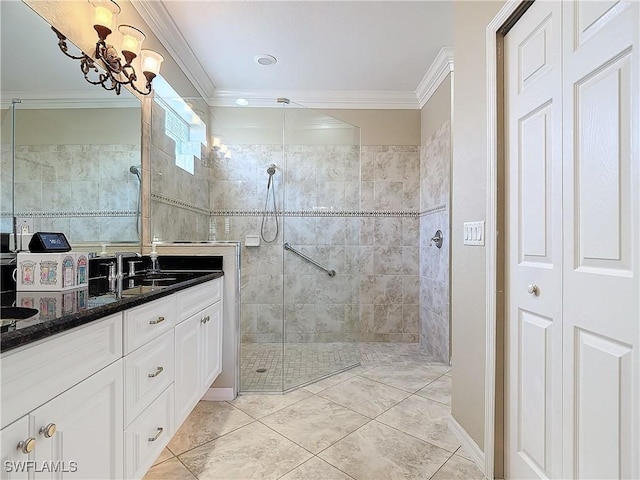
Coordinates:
(219, 394)
(477, 455)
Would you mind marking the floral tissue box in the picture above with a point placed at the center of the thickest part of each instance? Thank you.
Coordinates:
(52, 271)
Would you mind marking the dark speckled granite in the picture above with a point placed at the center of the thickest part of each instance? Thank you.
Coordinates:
(22, 336)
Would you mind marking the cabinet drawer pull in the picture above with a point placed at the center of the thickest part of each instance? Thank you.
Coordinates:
(157, 372)
(155, 322)
(27, 445)
(160, 430)
(205, 319)
(48, 430)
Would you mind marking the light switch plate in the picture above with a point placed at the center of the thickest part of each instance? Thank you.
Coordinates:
(474, 233)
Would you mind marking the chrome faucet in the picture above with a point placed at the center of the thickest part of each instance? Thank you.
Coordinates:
(119, 257)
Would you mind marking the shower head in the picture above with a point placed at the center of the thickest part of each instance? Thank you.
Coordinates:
(272, 169)
(135, 170)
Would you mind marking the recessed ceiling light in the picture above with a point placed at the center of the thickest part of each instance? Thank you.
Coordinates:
(264, 59)
(242, 102)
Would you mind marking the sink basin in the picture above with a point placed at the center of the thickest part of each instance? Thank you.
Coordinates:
(10, 316)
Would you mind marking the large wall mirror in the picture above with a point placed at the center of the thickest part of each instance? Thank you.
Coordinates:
(76, 147)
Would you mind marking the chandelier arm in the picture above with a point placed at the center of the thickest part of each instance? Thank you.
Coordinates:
(112, 64)
(64, 48)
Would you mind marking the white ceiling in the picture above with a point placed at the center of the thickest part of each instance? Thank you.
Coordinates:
(364, 54)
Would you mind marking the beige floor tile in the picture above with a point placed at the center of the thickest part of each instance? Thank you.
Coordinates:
(315, 423)
(165, 455)
(364, 396)
(207, 421)
(316, 469)
(376, 451)
(261, 405)
(438, 390)
(171, 469)
(329, 382)
(422, 418)
(458, 468)
(463, 452)
(251, 452)
(409, 378)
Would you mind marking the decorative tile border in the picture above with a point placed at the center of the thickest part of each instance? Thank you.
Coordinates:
(315, 213)
(435, 209)
(72, 214)
(159, 197)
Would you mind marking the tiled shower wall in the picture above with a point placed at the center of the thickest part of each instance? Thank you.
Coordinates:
(356, 225)
(389, 244)
(85, 191)
(435, 160)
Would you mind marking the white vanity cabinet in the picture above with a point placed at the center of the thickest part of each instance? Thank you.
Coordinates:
(71, 387)
(198, 344)
(17, 446)
(102, 400)
(79, 433)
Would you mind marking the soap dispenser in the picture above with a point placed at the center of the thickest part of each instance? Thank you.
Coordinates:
(155, 267)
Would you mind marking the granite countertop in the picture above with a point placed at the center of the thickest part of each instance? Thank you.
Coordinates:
(97, 303)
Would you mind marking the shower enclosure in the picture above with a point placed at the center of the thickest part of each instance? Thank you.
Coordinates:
(291, 186)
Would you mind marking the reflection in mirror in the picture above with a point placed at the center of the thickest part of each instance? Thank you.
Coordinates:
(75, 143)
(180, 178)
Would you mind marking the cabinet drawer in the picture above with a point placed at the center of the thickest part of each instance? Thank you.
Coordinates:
(34, 375)
(148, 435)
(194, 299)
(147, 372)
(148, 321)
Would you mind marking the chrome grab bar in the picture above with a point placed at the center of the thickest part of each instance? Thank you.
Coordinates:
(287, 246)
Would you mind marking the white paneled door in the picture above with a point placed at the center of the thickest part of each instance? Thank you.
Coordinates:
(572, 99)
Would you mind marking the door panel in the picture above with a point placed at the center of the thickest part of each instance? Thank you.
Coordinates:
(603, 420)
(601, 225)
(573, 133)
(533, 247)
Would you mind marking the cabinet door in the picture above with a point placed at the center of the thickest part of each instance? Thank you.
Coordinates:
(187, 367)
(86, 439)
(211, 340)
(15, 440)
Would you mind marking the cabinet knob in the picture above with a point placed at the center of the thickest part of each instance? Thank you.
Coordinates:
(153, 439)
(533, 289)
(157, 372)
(48, 430)
(205, 319)
(159, 320)
(27, 445)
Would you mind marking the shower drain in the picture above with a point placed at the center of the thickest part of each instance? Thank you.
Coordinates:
(261, 370)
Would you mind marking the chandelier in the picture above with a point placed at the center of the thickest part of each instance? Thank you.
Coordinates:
(117, 71)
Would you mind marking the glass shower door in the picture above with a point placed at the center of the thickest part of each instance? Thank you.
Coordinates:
(321, 250)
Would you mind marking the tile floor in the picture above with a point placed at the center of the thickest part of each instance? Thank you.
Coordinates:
(386, 419)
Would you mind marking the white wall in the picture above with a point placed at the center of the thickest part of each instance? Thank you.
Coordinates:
(469, 177)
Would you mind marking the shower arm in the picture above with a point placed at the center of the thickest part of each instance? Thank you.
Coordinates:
(288, 246)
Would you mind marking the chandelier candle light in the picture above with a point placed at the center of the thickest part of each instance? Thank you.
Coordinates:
(116, 73)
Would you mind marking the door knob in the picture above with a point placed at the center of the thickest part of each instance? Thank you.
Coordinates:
(533, 289)
(27, 445)
(48, 430)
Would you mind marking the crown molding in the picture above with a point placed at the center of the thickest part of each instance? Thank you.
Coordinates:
(438, 71)
(70, 99)
(327, 99)
(163, 26)
(156, 16)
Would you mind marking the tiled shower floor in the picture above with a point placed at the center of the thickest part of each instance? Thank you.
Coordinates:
(300, 363)
(306, 362)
